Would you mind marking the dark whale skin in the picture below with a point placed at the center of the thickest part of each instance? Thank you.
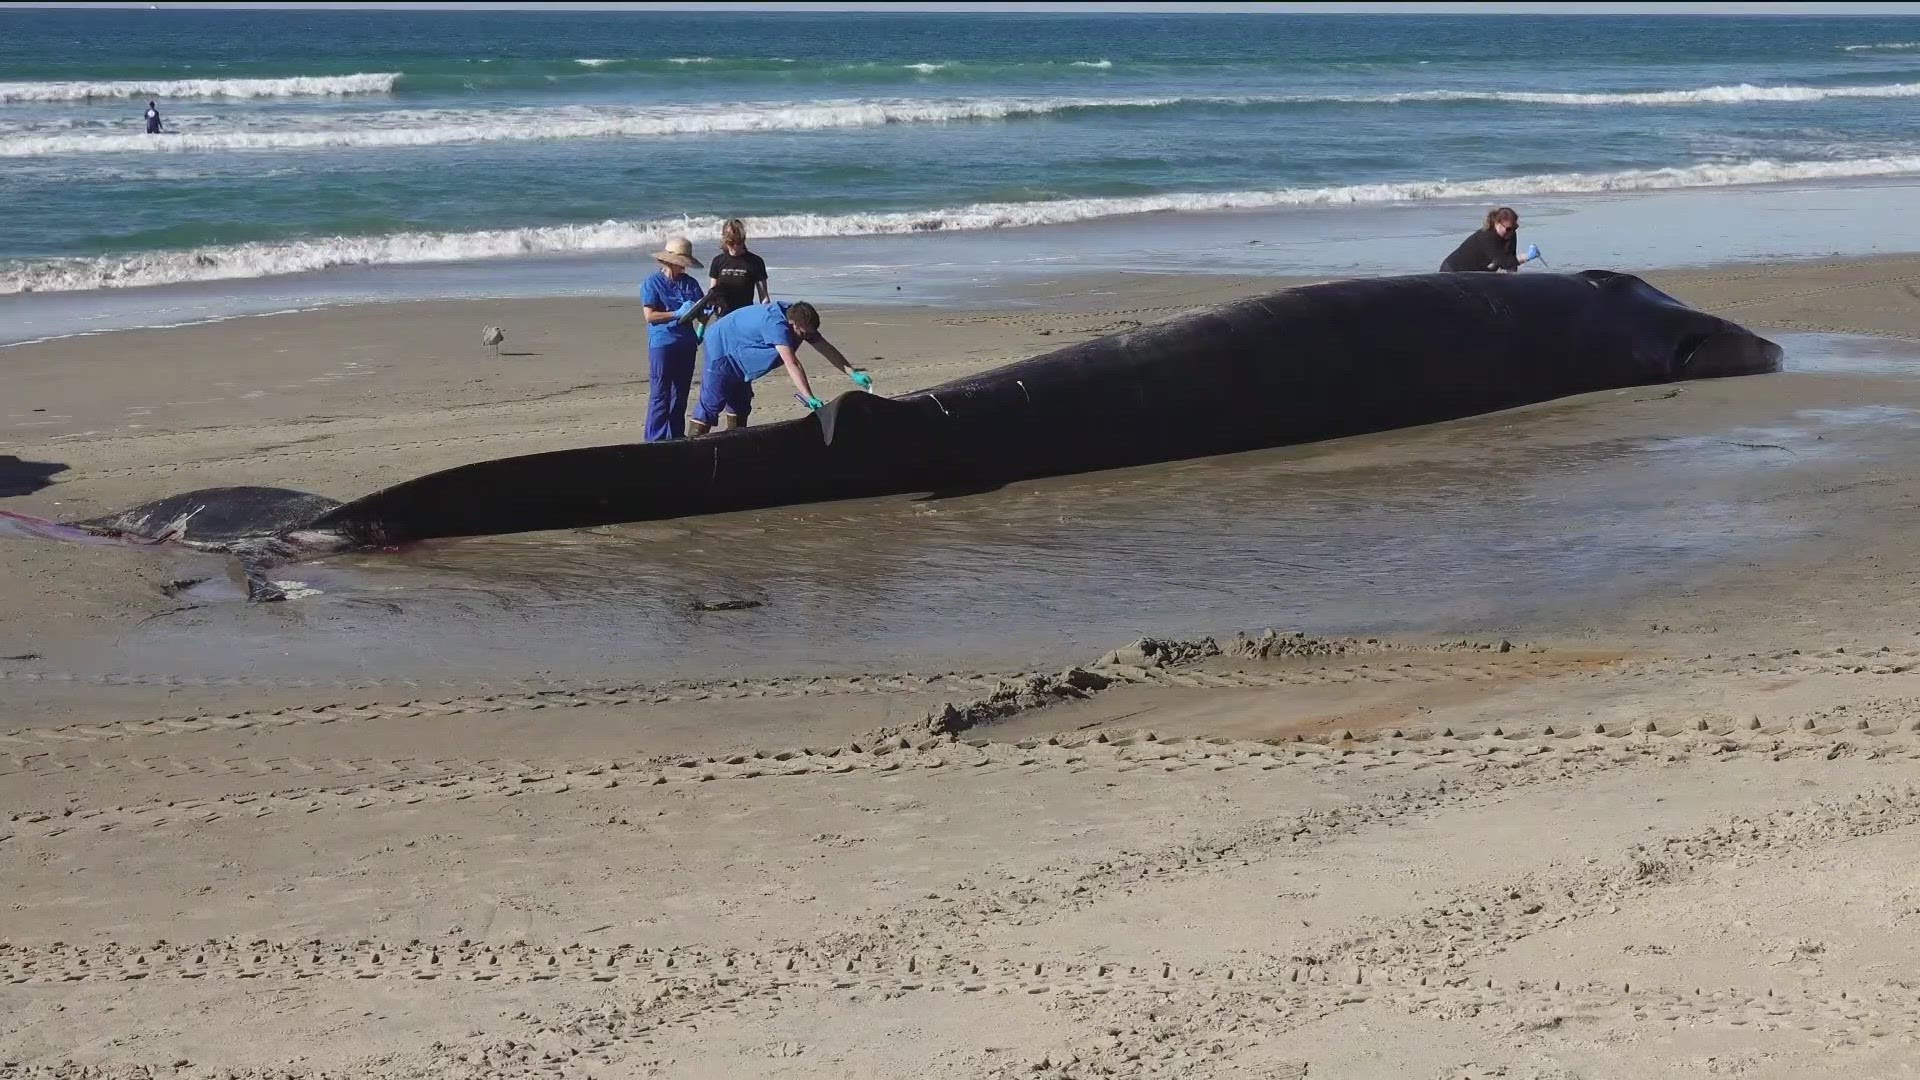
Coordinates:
(1303, 365)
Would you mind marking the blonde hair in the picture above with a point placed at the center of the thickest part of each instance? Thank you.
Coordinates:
(1500, 214)
(734, 232)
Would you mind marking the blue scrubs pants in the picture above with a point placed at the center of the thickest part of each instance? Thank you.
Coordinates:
(669, 374)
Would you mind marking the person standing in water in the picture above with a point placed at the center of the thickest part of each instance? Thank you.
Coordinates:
(153, 119)
(1493, 247)
(736, 274)
(667, 294)
(750, 342)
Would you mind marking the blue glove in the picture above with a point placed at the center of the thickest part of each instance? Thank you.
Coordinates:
(861, 379)
(815, 403)
(1533, 252)
(681, 311)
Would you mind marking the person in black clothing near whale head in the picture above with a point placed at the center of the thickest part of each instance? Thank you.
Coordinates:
(1493, 247)
(153, 119)
(735, 275)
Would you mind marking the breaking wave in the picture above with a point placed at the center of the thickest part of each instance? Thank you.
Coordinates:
(252, 260)
(447, 127)
(298, 86)
(1741, 94)
(548, 124)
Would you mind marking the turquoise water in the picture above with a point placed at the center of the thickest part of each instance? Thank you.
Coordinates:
(303, 141)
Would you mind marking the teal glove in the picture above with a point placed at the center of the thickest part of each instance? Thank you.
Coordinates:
(815, 404)
(699, 331)
(861, 379)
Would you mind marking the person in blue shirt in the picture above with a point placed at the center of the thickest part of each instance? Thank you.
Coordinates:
(666, 295)
(748, 342)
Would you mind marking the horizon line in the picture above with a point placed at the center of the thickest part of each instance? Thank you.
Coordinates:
(1740, 10)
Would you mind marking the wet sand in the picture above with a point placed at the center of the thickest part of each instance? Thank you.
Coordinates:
(1585, 747)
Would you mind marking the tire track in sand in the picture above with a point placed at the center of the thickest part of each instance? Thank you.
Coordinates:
(402, 782)
(1026, 688)
(588, 1041)
(1156, 1017)
(1438, 947)
(1419, 962)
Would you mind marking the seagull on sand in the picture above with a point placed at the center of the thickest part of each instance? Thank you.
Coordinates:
(491, 337)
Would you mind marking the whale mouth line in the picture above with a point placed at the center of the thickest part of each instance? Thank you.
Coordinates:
(1686, 349)
(1723, 352)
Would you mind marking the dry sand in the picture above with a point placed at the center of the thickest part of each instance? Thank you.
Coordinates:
(1669, 834)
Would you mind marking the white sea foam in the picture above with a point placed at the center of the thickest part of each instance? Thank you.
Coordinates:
(926, 69)
(594, 62)
(267, 259)
(1101, 64)
(1743, 93)
(296, 86)
(442, 127)
(689, 59)
(1886, 46)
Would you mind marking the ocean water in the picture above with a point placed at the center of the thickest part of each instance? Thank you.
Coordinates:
(304, 141)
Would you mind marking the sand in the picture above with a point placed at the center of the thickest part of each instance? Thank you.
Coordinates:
(1665, 831)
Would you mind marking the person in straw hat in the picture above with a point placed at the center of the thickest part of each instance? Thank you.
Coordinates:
(667, 294)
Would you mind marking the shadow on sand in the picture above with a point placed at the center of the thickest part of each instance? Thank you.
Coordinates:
(19, 477)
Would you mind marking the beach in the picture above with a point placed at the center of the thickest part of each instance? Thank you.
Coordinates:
(1619, 786)
(1572, 740)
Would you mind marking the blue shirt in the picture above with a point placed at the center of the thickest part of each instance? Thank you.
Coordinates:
(748, 337)
(664, 294)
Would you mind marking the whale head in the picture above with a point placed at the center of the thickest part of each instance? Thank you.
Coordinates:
(1679, 342)
(1712, 352)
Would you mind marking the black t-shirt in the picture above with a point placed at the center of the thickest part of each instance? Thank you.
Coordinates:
(1484, 250)
(734, 277)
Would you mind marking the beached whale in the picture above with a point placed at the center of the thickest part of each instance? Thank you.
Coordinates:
(1306, 364)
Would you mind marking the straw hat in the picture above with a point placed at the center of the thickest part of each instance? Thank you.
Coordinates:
(679, 252)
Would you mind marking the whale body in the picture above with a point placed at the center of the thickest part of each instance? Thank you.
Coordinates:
(1306, 364)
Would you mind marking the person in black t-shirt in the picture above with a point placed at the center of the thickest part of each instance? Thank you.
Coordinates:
(735, 275)
(1492, 248)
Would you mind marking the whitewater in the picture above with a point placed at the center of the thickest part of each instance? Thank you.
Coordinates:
(399, 129)
(353, 138)
(226, 262)
(297, 86)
